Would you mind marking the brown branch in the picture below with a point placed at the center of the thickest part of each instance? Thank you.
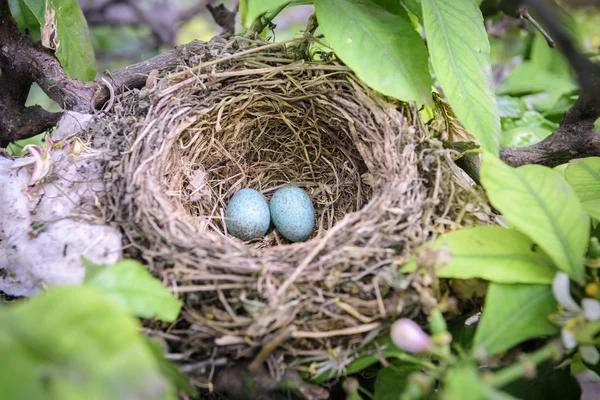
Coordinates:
(22, 62)
(576, 136)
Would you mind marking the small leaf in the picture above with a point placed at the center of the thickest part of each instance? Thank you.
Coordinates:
(132, 287)
(382, 48)
(495, 254)
(460, 54)
(523, 136)
(75, 51)
(70, 343)
(391, 381)
(510, 107)
(584, 176)
(252, 9)
(513, 314)
(540, 203)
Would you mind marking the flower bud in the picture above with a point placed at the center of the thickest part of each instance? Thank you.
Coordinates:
(408, 336)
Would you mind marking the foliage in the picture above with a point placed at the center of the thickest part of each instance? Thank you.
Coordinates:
(540, 203)
(379, 44)
(78, 342)
(75, 51)
(133, 288)
(460, 54)
(514, 313)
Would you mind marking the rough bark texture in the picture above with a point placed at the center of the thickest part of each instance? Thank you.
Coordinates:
(23, 62)
(574, 138)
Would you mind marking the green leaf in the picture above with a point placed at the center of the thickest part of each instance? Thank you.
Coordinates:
(75, 52)
(513, 314)
(460, 54)
(495, 254)
(414, 6)
(382, 48)
(510, 107)
(592, 208)
(170, 370)
(529, 78)
(584, 176)
(549, 383)
(548, 59)
(70, 343)
(462, 382)
(540, 203)
(24, 17)
(530, 118)
(132, 287)
(252, 9)
(391, 381)
(523, 136)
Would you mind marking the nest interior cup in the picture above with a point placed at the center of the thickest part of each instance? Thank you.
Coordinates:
(255, 115)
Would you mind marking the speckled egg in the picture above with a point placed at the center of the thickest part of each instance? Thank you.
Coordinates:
(292, 213)
(247, 215)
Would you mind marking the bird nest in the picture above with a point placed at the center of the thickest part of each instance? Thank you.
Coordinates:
(257, 115)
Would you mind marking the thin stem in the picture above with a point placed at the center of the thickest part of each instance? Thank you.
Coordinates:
(262, 21)
(516, 371)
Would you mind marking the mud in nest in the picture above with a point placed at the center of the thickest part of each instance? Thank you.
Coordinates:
(255, 115)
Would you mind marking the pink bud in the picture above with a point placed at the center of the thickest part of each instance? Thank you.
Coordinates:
(408, 336)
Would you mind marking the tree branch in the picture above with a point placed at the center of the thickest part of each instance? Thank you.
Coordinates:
(576, 136)
(22, 62)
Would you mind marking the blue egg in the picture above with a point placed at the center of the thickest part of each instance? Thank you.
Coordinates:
(292, 213)
(247, 215)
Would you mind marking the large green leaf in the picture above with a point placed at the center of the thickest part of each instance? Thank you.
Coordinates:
(495, 254)
(70, 343)
(252, 9)
(75, 52)
(132, 287)
(381, 47)
(540, 203)
(514, 313)
(584, 176)
(460, 54)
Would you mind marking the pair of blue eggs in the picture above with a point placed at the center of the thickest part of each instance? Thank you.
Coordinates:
(248, 216)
